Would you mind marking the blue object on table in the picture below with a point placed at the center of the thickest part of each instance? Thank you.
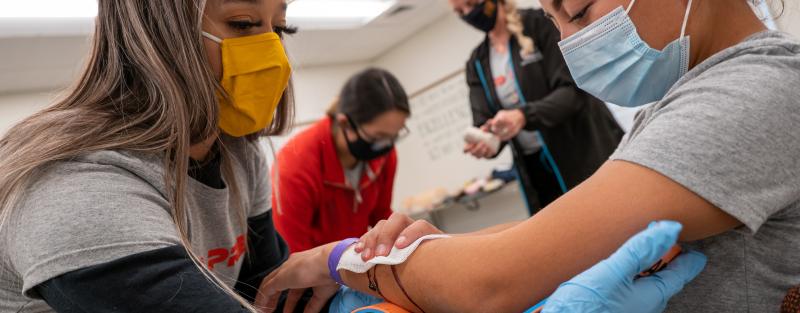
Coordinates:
(348, 300)
(610, 286)
(505, 175)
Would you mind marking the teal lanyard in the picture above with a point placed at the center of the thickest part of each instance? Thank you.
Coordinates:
(545, 150)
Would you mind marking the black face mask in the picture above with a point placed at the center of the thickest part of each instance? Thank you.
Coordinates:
(364, 150)
(483, 16)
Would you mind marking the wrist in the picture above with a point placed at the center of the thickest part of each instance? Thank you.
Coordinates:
(332, 254)
(325, 250)
(320, 261)
(521, 117)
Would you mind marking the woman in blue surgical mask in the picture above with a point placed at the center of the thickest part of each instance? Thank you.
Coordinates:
(716, 151)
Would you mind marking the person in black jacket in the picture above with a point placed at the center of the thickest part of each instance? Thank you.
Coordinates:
(522, 91)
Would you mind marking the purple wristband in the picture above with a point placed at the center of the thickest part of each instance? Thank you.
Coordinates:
(336, 255)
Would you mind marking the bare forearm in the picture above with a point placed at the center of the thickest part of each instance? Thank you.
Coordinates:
(432, 293)
(386, 281)
(513, 269)
(493, 230)
(502, 272)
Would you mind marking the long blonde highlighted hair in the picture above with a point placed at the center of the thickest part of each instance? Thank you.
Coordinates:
(517, 29)
(147, 87)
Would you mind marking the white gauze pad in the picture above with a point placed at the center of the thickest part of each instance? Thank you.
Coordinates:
(351, 261)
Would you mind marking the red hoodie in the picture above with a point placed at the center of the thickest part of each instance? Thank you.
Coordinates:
(313, 204)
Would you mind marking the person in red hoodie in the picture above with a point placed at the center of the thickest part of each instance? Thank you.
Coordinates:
(334, 180)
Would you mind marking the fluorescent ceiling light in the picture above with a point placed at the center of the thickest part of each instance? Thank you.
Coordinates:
(336, 13)
(48, 8)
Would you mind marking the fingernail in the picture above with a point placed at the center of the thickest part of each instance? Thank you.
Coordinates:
(359, 246)
(381, 250)
(401, 241)
(367, 253)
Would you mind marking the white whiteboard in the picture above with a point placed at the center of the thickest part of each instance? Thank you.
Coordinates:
(432, 155)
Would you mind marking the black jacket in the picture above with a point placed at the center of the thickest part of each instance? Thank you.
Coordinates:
(579, 131)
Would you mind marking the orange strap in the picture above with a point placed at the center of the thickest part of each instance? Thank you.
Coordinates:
(382, 308)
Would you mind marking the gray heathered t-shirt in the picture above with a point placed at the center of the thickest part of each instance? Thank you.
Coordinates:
(730, 132)
(112, 204)
(354, 174)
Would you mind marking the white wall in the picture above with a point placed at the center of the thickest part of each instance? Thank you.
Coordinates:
(316, 87)
(790, 20)
(440, 50)
(15, 107)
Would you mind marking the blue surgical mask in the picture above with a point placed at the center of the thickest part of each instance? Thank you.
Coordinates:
(609, 60)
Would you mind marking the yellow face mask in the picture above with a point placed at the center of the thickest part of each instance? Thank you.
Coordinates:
(255, 72)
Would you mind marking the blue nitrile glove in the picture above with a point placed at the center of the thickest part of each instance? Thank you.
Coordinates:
(610, 286)
(348, 300)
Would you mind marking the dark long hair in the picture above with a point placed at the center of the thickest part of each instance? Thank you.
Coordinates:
(369, 94)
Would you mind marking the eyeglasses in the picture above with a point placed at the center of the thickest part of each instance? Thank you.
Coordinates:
(379, 143)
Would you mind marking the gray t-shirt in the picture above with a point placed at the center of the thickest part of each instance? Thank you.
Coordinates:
(354, 174)
(111, 204)
(730, 132)
(505, 83)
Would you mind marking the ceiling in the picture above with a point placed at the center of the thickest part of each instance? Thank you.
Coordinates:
(49, 54)
(321, 47)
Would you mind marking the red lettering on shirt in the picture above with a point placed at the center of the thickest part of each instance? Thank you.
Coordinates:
(237, 251)
(232, 255)
(216, 256)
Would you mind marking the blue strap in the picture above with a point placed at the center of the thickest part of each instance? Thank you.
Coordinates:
(543, 160)
(545, 149)
(485, 85)
(556, 171)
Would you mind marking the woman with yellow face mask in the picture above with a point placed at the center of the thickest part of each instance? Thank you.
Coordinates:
(145, 188)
